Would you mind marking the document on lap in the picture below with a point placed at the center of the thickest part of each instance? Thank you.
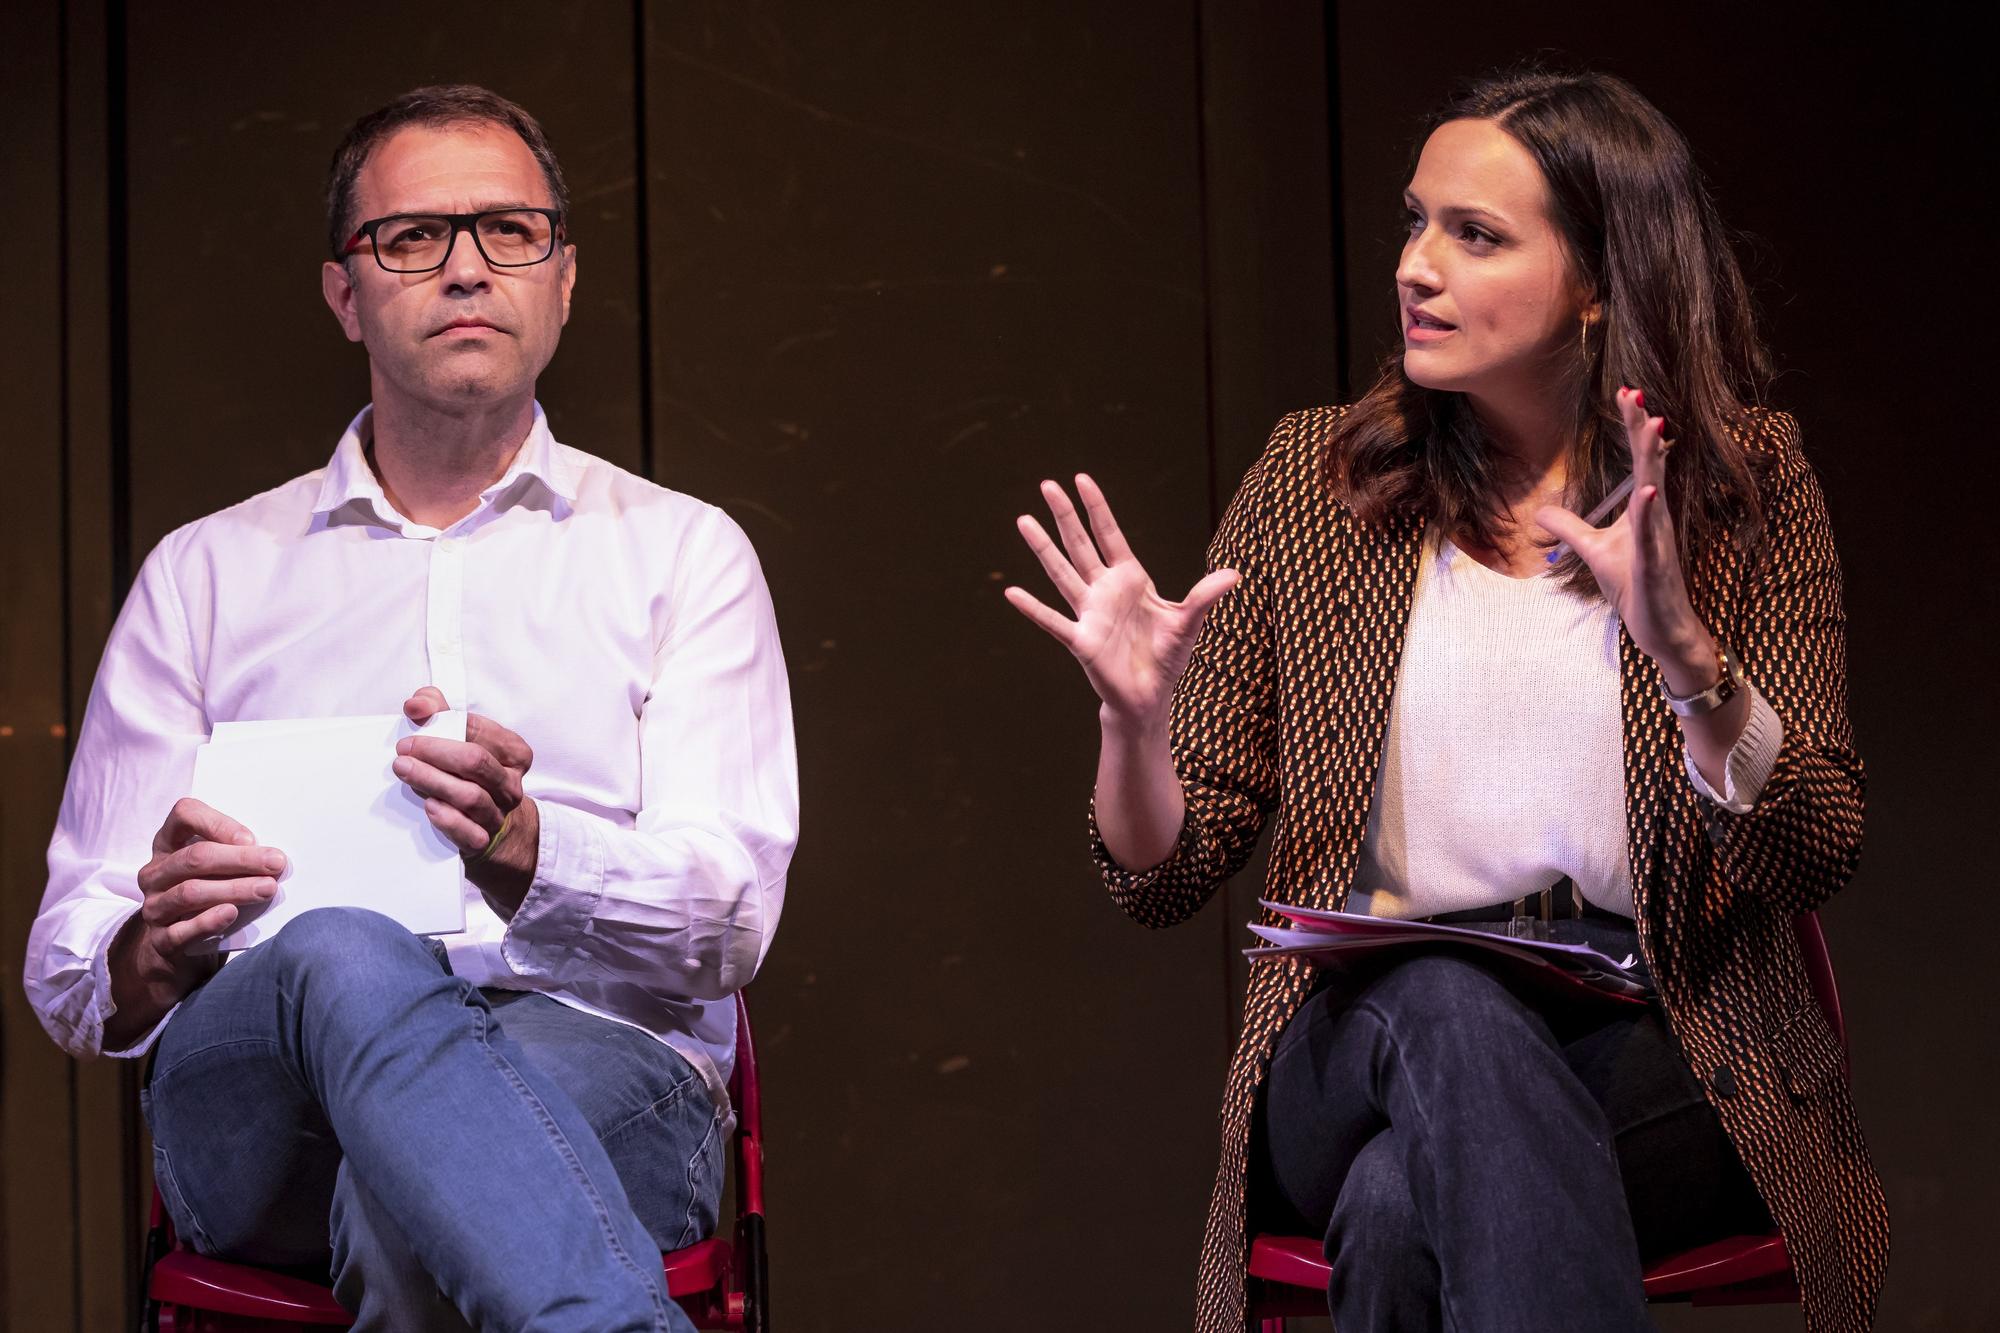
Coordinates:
(1335, 938)
(321, 790)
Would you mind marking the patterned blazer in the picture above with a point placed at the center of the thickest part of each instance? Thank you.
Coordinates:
(1283, 710)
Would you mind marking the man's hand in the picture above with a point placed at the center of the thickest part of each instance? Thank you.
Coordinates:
(206, 869)
(473, 795)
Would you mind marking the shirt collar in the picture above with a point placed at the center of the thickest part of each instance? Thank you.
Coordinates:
(540, 463)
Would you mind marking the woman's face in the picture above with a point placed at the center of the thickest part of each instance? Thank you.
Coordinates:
(1488, 303)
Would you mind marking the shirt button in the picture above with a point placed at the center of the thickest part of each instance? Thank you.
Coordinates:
(1723, 1081)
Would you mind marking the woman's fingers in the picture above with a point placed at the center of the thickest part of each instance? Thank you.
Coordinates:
(1649, 527)
(1647, 436)
(1644, 434)
(1568, 527)
(1110, 538)
(1060, 571)
(1082, 552)
(1059, 626)
(1640, 511)
(1209, 591)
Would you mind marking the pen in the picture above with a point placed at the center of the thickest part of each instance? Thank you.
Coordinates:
(1610, 502)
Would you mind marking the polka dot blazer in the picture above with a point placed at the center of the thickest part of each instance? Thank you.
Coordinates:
(1280, 718)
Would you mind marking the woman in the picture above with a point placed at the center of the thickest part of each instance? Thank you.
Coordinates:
(1461, 701)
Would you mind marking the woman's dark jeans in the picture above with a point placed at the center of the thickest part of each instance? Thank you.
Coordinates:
(1481, 1158)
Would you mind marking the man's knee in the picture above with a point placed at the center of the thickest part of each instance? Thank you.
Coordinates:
(342, 943)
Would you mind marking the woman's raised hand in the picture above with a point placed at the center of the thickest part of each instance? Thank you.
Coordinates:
(1132, 642)
(1636, 558)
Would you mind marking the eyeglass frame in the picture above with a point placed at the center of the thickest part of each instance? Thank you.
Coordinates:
(459, 222)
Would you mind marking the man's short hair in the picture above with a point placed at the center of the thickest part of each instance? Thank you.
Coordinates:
(434, 108)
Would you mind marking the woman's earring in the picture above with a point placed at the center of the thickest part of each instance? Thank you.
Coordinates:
(1583, 339)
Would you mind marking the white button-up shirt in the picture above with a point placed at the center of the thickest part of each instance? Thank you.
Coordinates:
(624, 630)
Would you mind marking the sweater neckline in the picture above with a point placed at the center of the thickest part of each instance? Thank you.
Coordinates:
(1449, 549)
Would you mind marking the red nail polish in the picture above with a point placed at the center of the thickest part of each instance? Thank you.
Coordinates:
(1639, 397)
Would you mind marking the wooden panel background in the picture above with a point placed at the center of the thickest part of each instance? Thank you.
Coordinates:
(863, 273)
(904, 265)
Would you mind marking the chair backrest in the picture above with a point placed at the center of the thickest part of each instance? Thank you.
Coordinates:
(751, 1253)
(747, 1097)
(1819, 970)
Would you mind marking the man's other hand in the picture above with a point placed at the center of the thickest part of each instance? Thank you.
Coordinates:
(206, 869)
(473, 795)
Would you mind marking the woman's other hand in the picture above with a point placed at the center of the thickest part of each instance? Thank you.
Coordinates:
(1133, 643)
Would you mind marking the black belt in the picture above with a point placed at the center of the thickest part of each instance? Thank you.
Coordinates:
(1561, 901)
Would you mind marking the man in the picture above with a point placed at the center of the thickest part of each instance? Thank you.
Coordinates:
(501, 1128)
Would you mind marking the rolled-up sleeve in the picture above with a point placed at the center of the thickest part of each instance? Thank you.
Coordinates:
(1748, 765)
(1799, 840)
(684, 902)
(1222, 728)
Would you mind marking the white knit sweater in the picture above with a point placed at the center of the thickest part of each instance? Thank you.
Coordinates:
(1503, 769)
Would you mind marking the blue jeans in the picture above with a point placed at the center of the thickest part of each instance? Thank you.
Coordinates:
(1477, 1159)
(335, 1101)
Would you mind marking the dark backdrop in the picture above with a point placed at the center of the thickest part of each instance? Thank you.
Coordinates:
(863, 273)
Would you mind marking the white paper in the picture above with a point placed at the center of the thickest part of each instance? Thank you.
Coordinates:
(1324, 935)
(321, 790)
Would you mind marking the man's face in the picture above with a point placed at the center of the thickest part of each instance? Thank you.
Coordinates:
(468, 333)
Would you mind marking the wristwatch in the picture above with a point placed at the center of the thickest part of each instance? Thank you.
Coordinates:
(1716, 695)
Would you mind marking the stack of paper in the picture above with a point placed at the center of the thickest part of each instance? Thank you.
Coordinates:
(321, 791)
(1333, 938)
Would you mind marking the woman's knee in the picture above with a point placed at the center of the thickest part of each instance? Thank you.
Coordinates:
(1439, 992)
(1375, 1206)
(1376, 1235)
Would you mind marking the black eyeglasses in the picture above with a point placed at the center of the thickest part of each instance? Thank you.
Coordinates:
(421, 242)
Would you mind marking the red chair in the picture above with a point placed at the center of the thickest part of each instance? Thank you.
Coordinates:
(722, 1284)
(1289, 1274)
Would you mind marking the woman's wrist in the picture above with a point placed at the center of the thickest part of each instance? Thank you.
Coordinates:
(1132, 730)
(1692, 663)
(1140, 805)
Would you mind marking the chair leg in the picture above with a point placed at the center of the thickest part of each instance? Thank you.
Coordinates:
(752, 1255)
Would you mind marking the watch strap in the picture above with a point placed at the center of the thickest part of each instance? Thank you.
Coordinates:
(1729, 681)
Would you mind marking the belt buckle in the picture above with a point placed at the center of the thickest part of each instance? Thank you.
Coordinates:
(1522, 926)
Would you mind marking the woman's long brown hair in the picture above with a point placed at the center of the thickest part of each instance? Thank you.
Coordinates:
(1642, 234)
